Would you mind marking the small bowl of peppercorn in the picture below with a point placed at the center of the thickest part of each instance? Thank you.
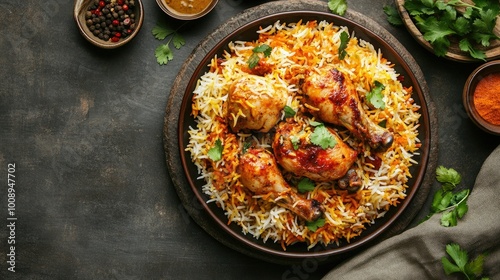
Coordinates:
(109, 24)
(481, 96)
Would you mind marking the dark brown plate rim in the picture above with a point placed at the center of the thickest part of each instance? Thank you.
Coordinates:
(300, 250)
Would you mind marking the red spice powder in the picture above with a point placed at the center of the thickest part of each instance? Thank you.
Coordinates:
(487, 98)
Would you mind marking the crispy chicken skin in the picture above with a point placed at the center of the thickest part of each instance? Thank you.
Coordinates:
(335, 100)
(261, 175)
(309, 160)
(254, 104)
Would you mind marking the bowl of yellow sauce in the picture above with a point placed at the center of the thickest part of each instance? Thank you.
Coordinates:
(186, 9)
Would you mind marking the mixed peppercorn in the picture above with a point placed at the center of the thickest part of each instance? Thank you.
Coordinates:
(111, 20)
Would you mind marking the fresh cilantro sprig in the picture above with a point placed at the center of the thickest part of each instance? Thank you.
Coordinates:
(289, 111)
(344, 40)
(163, 52)
(215, 153)
(305, 185)
(441, 22)
(321, 136)
(255, 57)
(452, 204)
(338, 7)
(375, 96)
(460, 263)
(314, 225)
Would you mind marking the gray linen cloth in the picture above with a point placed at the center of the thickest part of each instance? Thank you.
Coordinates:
(417, 252)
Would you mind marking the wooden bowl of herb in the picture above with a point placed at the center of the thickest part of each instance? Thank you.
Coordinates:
(459, 30)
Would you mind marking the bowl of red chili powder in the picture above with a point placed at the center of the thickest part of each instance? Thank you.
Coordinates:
(481, 96)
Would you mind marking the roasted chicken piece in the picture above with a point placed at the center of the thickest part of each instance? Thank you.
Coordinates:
(295, 152)
(331, 97)
(255, 103)
(260, 174)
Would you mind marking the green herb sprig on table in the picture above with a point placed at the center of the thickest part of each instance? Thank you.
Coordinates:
(442, 21)
(338, 7)
(471, 269)
(453, 205)
(163, 52)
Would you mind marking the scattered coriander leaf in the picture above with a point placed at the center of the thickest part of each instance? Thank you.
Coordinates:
(449, 219)
(460, 263)
(264, 48)
(255, 58)
(163, 54)
(448, 176)
(305, 185)
(246, 146)
(338, 7)
(322, 137)
(344, 40)
(453, 205)
(375, 96)
(314, 225)
(178, 41)
(392, 15)
(161, 31)
(289, 112)
(475, 266)
(383, 123)
(215, 153)
(295, 142)
(315, 123)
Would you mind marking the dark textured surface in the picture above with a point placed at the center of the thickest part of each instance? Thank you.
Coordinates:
(84, 128)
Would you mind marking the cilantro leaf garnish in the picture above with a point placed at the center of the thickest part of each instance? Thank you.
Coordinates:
(295, 141)
(289, 111)
(314, 225)
(338, 7)
(305, 185)
(246, 146)
(255, 58)
(344, 40)
(453, 205)
(460, 262)
(163, 52)
(215, 153)
(321, 136)
(375, 96)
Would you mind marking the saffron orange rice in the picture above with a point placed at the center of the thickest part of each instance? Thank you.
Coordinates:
(296, 47)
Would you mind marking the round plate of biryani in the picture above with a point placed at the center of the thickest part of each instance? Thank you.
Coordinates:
(303, 134)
